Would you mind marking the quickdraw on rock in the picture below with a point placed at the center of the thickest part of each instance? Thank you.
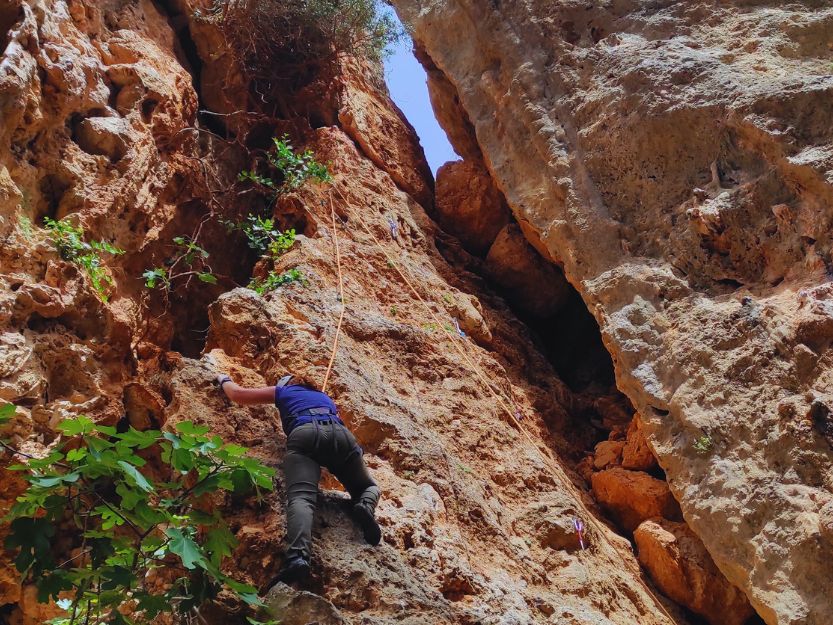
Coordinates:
(579, 525)
(459, 330)
(394, 228)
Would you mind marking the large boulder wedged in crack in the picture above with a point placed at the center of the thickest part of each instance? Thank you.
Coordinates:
(675, 159)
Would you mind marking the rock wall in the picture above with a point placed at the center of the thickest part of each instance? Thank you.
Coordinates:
(674, 158)
(125, 115)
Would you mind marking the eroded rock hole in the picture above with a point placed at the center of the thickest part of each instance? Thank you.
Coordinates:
(10, 14)
(52, 189)
(188, 55)
(148, 107)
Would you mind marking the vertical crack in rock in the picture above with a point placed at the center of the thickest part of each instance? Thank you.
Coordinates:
(672, 160)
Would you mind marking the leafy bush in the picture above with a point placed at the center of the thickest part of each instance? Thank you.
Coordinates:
(24, 224)
(195, 259)
(71, 246)
(91, 528)
(703, 445)
(263, 236)
(292, 169)
(274, 280)
(287, 40)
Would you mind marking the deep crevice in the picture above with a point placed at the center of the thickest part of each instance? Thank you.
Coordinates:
(189, 57)
(10, 14)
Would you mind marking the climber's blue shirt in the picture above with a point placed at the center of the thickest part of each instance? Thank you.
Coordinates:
(294, 399)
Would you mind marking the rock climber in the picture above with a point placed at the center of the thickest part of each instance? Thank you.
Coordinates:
(315, 436)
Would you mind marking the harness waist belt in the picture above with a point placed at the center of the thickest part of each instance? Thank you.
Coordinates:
(314, 412)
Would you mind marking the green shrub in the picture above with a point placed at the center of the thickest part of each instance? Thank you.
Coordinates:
(703, 445)
(262, 235)
(92, 526)
(288, 40)
(273, 280)
(71, 246)
(290, 168)
(193, 260)
(24, 224)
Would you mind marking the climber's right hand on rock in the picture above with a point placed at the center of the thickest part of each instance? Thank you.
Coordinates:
(221, 379)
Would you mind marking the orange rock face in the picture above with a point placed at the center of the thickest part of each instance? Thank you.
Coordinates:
(532, 284)
(633, 497)
(636, 454)
(681, 567)
(469, 205)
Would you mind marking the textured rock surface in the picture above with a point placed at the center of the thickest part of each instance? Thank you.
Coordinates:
(633, 496)
(100, 122)
(675, 158)
(636, 454)
(532, 284)
(682, 568)
(469, 206)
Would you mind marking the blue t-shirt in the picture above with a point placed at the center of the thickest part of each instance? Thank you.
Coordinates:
(296, 398)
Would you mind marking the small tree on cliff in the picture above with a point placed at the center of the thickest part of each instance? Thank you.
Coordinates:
(120, 527)
(288, 40)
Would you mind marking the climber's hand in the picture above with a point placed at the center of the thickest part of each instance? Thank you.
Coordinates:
(222, 378)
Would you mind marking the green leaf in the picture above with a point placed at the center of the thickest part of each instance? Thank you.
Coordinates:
(189, 428)
(219, 543)
(152, 605)
(129, 497)
(137, 477)
(207, 277)
(32, 537)
(54, 480)
(246, 592)
(109, 518)
(107, 430)
(76, 454)
(185, 547)
(74, 427)
(6, 413)
(155, 276)
(135, 438)
(182, 460)
(50, 585)
(116, 577)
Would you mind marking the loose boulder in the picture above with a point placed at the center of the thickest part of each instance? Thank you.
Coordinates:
(469, 205)
(532, 283)
(633, 497)
(683, 570)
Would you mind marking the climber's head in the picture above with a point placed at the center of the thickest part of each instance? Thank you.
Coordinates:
(297, 380)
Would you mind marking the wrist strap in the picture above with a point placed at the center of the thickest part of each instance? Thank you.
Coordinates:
(224, 380)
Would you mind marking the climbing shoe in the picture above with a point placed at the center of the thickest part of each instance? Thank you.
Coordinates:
(294, 570)
(367, 522)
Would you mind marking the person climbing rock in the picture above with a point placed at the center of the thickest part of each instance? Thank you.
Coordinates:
(315, 437)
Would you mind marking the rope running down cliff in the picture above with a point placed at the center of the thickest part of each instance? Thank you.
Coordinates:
(341, 297)
(549, 461)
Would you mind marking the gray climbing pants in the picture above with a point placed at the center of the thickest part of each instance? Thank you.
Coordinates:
(308, 448)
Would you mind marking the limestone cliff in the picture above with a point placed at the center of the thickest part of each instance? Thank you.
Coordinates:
(132, 118)
(674, 158)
